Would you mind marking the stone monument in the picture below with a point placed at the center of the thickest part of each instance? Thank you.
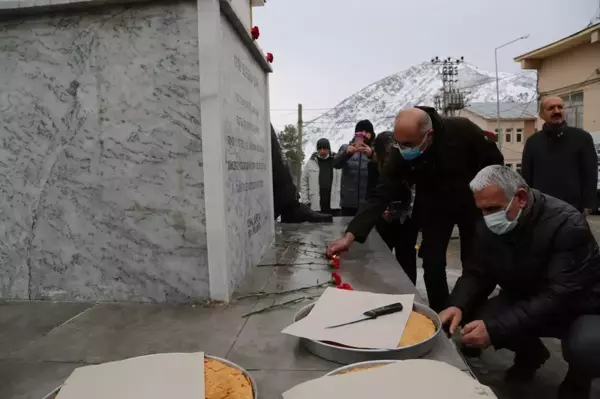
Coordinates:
(135, 163)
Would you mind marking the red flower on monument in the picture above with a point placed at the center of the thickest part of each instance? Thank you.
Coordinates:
(334, 263)
(346, 286)
(255, 32)
(336, 279)
(270, 58)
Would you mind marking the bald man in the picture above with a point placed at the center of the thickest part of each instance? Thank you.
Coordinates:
(561, 160)
(440, 156)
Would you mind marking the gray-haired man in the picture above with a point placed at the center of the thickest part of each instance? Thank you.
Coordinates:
(542, 254)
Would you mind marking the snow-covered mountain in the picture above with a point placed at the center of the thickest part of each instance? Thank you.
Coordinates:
(418, 85)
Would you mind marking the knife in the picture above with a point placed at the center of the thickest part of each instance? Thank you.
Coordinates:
(374, 313)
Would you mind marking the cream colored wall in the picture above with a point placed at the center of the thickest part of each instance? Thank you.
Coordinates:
(564, 74)
(569, 68)
(513, 150)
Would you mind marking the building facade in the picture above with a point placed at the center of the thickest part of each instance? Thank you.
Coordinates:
(517, 124)
(570, 68)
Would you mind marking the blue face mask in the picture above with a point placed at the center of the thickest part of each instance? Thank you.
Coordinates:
(498, 223)
(411, 153)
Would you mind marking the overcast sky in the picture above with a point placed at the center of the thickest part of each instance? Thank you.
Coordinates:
(325, 50)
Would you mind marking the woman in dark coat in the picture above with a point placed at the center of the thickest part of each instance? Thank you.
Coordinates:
(396, 226)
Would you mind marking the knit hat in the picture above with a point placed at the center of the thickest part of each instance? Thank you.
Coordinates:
(323, 144)
(364, 126)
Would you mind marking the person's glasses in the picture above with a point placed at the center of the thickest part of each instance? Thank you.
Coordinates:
(408, 146)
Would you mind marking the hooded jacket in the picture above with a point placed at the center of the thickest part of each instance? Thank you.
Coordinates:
(309, 188)
(355, 174)
(460, 149)
(549, 266)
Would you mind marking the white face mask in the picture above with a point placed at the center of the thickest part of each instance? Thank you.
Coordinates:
(498, 223)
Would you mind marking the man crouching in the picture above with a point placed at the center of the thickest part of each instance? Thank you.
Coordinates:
(542, 254)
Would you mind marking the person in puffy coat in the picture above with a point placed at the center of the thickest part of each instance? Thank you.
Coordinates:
(543, 255)
(353, 159)
(320, 184)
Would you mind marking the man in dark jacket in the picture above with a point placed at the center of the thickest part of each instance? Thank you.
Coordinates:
(353, 160)
(560, 160)
(542, 254)
(440, 156)
(285, 195)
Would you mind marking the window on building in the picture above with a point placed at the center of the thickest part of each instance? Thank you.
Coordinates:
(519, 168)
(496, 130)
(519, 130)
(574, 109)
(508, 138)
(519, 138)
(509, 165)
(509, 130)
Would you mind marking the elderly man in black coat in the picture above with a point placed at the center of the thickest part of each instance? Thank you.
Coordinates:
(542, 254)
(440, 156)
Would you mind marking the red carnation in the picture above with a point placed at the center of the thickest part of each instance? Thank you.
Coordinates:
(346, 286)
(335, 263)
(336, 279)
(270, 57)
(255, 32)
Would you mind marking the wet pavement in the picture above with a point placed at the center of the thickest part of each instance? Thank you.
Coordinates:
(41, 343)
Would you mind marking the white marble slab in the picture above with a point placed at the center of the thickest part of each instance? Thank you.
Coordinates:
(101, 177)
(236, 137)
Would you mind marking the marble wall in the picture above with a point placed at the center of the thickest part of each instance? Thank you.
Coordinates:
(237, 147)
(101, 173)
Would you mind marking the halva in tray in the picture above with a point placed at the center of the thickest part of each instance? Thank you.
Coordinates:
(221, 382)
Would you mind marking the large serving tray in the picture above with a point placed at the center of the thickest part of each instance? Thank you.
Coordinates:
(344, 355)
(53, 394)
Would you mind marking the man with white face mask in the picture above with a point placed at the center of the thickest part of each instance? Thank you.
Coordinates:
(542, 254)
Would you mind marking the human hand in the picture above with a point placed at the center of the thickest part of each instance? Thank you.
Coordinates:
(387, 216)
(475, 335)
(365, 149)
(340, 245)
(451, 316)
(351, 149)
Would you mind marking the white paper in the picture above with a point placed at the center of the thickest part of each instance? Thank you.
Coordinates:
(170, 375)
(337, 306)
(414, 379)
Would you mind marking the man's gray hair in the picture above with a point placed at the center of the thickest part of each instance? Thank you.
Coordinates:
(425, 123)
(504, 177)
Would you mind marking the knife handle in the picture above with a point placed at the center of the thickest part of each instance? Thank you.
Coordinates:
(387, 309)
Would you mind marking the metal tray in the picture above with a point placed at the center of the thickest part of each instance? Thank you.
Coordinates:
(360, 365)
(52, 395)
(342, 355)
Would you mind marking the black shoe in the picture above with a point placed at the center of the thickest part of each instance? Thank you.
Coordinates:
(575, 386)
(303, 213)
(527, 363)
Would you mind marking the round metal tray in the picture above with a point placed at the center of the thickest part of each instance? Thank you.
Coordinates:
(52, 395)
(343, 355)
(361, 365)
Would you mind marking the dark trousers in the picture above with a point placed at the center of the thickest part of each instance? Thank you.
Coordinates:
(347, 211)
(579, 335)
(436, 234)
(285, 194)
(401, 238)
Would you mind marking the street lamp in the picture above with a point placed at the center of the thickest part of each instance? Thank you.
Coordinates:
(498, 87)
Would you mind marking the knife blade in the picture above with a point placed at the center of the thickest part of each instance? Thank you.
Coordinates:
(374, 313)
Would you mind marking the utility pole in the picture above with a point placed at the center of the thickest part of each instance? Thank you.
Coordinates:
(451, 97)
(498, 129)
(300, 122)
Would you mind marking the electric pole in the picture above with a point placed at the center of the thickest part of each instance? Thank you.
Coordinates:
(451, 97)
(299, 174)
